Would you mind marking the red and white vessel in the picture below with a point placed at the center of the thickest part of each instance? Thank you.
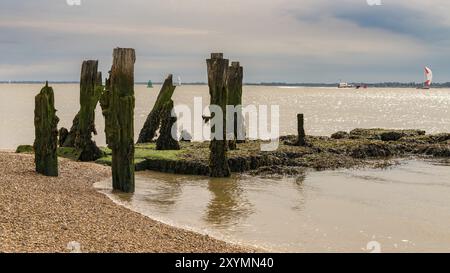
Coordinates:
(428, 78)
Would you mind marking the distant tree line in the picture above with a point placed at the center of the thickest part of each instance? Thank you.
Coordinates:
(376, 85)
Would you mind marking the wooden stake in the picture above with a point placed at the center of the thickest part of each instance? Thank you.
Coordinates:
(46, 133)
(234, 97)
(217, 79)
(89, 97)
(301, 130)
(153, 121)
(118, 108)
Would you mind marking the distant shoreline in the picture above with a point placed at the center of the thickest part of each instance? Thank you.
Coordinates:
(274, 84)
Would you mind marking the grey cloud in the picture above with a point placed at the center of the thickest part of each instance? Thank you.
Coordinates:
(282, 40)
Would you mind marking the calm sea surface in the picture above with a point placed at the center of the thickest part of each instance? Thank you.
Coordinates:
(326, 110)
(403, 208)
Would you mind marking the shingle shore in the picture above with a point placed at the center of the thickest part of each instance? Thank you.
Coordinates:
(44, 214)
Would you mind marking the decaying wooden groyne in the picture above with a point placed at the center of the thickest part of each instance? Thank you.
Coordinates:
(227, 152)
(234, 99)
(46, 132)
(83, 127)
(153, 121)
(358, 148)
(217, 82)
(117, 103)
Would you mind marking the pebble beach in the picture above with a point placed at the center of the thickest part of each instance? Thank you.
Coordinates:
(46, 214)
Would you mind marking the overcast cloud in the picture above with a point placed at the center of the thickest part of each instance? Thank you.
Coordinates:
(277, 40)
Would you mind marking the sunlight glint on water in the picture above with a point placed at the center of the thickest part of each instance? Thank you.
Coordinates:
(326, 110)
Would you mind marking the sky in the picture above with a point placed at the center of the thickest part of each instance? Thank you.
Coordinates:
(275, 40)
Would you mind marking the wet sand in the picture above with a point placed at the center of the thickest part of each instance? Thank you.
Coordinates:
(42, 214)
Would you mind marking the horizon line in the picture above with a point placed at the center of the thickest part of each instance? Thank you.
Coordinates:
(273, 83)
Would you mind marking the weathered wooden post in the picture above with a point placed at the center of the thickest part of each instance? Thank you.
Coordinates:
(46, 132)
(165, 140)
(118, 108)
(153, 121)
(301, 130)
(217, 81)
(69, 139)
(234, 98)
(99, 79)
(62, 136)
(105, 104)
(89, 97)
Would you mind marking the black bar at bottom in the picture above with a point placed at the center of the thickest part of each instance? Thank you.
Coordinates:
(267, 262)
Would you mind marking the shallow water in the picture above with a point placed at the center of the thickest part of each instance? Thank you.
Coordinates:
(403, 208)
(326, 110)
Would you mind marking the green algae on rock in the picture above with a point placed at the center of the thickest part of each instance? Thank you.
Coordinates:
(384, 134)
(25, 149)
(321, 153)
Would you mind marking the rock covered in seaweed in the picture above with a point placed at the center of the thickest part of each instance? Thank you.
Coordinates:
(385, 134)
(340, 135)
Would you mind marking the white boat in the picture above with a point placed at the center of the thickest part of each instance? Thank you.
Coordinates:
(345, 85)
(178, 83)
(428, 78)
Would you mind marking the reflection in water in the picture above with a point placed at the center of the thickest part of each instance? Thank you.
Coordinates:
(157, 189)
(404, 208)
(441, 162)
(124, 197)
(228, 204)
(299, 186)
(165, 192)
